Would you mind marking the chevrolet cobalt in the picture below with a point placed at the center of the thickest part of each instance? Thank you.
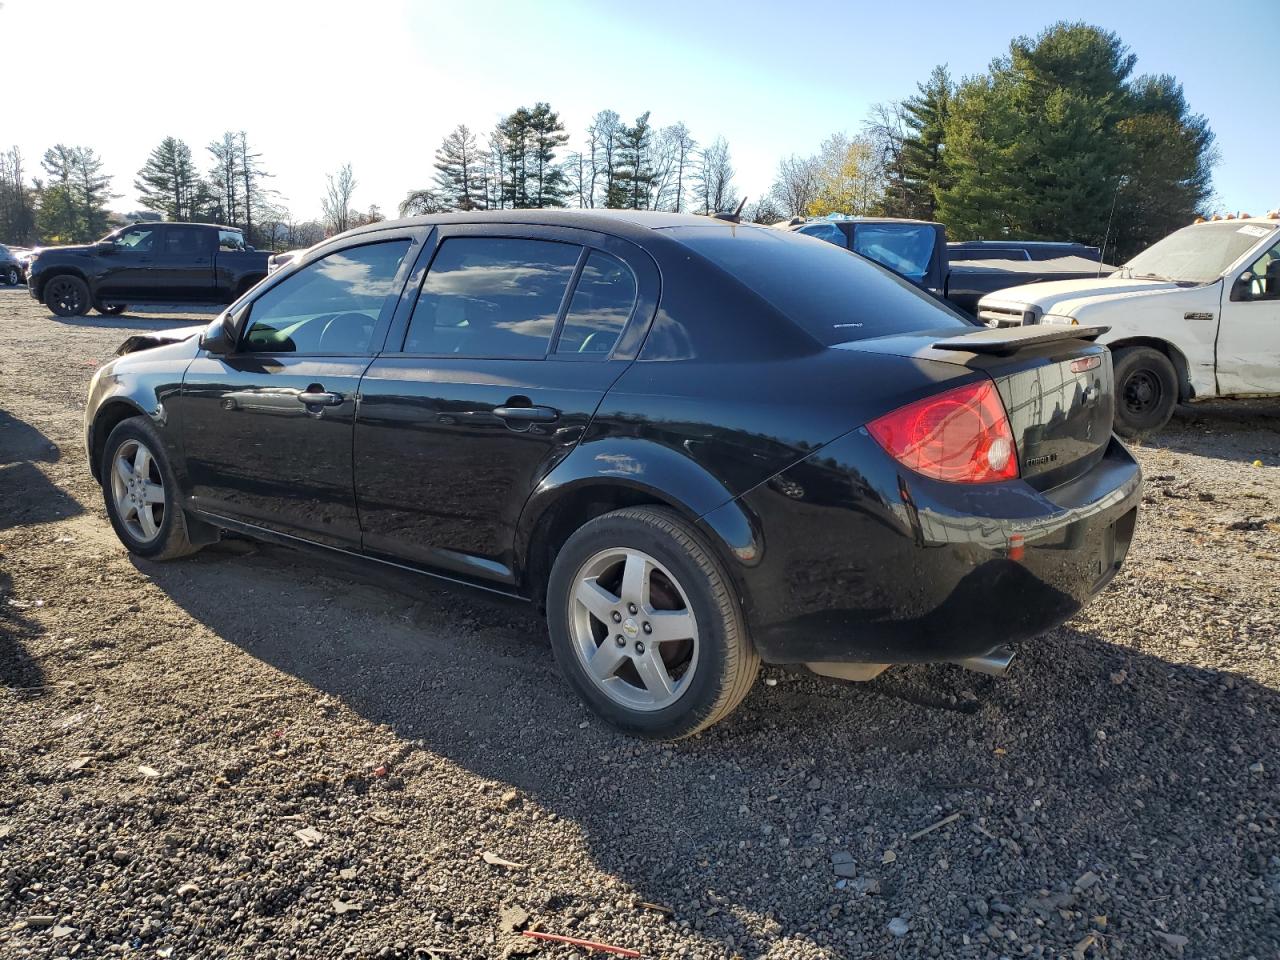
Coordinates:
(696, 445)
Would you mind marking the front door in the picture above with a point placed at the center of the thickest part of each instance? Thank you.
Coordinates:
(509, 350)
(1249, 331)
(267, 430)
(128, 265)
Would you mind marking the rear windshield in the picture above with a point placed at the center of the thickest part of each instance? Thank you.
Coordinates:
(833, 294)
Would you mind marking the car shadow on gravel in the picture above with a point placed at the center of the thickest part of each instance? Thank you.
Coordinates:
(20, 675)
(1238, 430)
(129, 321)
(1088, 756)
(27, 496)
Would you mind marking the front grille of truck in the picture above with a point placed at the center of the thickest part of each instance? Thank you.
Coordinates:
(1005, 317)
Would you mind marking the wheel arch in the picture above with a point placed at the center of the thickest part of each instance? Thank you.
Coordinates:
(110, 415)
(602, 477)
(61, 270)
(1179, 360)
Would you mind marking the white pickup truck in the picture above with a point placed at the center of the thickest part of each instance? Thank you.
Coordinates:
(1194, 316)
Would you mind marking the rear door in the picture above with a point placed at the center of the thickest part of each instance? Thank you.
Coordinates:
(184, 263)
(515, 336)
(267, 430)
(1248, 350)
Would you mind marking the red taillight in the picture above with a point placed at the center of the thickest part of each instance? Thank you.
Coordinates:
(962, 435)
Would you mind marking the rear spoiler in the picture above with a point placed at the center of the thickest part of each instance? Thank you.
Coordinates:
(1003, 341)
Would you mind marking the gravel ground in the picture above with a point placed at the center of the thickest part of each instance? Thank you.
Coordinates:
(248, 754)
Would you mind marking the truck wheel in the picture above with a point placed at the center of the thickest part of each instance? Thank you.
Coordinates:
(1146, 390)
(645, 627)
(111, 309)
(141, 492)
(67, 296)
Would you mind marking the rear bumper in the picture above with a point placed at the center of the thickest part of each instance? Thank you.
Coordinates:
(852, 558)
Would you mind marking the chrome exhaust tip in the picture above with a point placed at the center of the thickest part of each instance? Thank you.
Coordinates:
(994, 662)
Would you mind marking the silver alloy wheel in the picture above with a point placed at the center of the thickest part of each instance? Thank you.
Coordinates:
(138, 490)
(633, 629)
(12, 277)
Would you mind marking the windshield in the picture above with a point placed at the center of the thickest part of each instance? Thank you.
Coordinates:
(1196, 254)
(904, 249)
(831, 293)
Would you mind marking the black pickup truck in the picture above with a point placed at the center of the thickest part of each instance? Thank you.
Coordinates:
(917, 250)
(146, 262)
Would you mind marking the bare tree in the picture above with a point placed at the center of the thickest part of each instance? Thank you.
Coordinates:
(336, 203)
(713, 178)
(886, 128)
(422, 201)
(797, 185)
(671, 168)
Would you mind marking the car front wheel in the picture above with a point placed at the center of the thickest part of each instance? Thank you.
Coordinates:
(1146, 390)
(67, 296)
(141, 493)
(645, 627)
(11, 276)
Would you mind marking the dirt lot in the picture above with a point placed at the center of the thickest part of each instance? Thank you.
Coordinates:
(248, 754)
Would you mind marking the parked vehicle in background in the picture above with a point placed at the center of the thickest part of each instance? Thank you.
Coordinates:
(917, 250)
(278, 260)
(153, 262)
(1020, 250)
(695, 444)
(1194, 316)
(12, 271)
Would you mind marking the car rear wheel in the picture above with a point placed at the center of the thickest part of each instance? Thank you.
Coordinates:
(11, 276)
(1146, 390)
(645, 627)
(110, 309)
(67, 296)
(142, 493)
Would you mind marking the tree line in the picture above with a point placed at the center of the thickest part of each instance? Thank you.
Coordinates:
(1057, 140)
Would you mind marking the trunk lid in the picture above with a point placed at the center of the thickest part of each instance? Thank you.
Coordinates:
(1056, 385)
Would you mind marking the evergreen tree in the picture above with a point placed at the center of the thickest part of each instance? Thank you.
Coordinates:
(922, 167)
(1056, 136)
(527, 142)
(168, 181)
(635, 166)
(459, 186)
(73, 208)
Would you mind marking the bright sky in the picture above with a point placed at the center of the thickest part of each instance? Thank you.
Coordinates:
(377, 83)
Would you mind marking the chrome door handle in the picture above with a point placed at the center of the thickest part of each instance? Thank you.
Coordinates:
(320, 398)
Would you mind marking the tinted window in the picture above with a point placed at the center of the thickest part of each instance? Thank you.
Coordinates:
(230, 240)
(183, 241)
(831, 293)
(491, 297)
(903, 249)
(601, 304)
(825, 231)
(330, 306)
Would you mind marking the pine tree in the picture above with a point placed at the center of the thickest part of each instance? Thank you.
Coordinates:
(459, 185)
(635, 165)
(73, 207)
(167, 182)
(546, 137)
(922, 167)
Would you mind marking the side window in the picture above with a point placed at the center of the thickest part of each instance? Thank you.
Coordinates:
(137, 239)
(331, 306)
(906, 250)
(491, 297)
(825, 231)
(601, 304)
(185, 241)
(1266, 285)
(230, 240)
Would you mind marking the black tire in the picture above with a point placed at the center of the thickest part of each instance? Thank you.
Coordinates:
(1146, 390)
(171, 539)
(726, 662)
(11, 276)
(67, 296)
(110, 309)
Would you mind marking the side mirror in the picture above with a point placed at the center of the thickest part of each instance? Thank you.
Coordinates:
(220, 336)
(104, 246)
(1272, 284)
(1242, 289)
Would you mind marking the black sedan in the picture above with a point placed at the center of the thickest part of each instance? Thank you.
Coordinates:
(695, 444)
(12, 270)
